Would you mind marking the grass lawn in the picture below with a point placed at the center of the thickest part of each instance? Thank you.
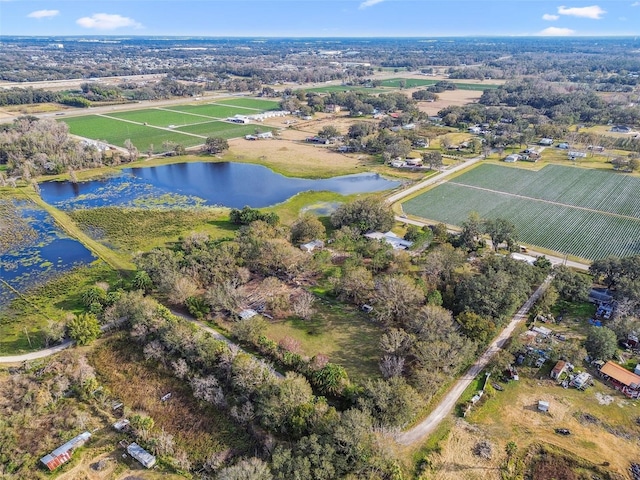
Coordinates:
(222, 129)
(159, 117)
(255, 103)
(24, 318)
(115, 132)
(133, 230)
(348, 337)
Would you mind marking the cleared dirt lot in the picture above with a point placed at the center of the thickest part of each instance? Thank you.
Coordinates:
(450, 97)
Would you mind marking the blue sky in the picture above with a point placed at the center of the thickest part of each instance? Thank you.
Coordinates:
(324, 18)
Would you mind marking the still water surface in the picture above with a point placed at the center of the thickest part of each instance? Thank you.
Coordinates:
(184, 184)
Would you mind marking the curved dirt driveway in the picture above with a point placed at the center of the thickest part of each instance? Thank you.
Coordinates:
(421, 431)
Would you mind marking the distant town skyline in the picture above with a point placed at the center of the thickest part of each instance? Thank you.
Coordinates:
(320, 18)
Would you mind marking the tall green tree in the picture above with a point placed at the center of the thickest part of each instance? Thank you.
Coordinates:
(601, 343)
(83, 328)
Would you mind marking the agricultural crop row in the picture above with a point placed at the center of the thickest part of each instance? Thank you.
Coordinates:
(604, 191)
(585, 234)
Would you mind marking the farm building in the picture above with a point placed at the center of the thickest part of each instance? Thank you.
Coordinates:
(318, 140)
(621, 129)
(264, 135)
(514, 157)
(311, 246)
(622, 379)
(563, 146)
(546, 142)
(391, 238)
(63, 453)
(238, 119)
(559, 369)
(573, 155)
(141, 455)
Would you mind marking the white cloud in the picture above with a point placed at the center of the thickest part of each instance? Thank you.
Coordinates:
(107, 21)
(44, 14)
(594, 12)
(370, 3)
(556, 32)
(549, 17)
(635, 4)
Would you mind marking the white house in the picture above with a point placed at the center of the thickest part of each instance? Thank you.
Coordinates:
(475, 130)
(547, 142)
(513, 158)
(391, 238)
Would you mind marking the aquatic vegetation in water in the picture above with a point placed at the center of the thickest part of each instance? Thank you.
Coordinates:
(14, 230)
(43, 252)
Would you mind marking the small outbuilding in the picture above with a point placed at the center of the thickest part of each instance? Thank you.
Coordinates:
(141, 455)
(546, 142)
(543, 406)
(63, 453)
(311, 246)
(559, 369)
(513, 158)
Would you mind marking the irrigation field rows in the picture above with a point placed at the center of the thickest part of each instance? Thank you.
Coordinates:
(188, 124)
(583, 233)
(598, 190)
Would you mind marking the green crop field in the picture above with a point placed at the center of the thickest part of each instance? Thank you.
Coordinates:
(610, 227)
(255, 103)
(214, 110)
(420, 82)
(115, 132)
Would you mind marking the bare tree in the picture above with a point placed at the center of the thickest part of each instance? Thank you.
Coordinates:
(303, 305)
(391, 366)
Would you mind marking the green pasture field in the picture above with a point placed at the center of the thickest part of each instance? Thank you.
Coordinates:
(222, 129)
(588, 234)
(159, 117)
(115, 132)
(255, 103)
(212, 110)
(419, 82)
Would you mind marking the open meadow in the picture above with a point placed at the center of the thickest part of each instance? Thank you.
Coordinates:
(586, 213)
(423, 82)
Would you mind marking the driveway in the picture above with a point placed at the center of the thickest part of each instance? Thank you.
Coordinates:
(421, 431)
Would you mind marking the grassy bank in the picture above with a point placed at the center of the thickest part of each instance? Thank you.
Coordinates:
(23, 320)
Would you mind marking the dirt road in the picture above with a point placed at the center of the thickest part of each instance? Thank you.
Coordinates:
(421, 431)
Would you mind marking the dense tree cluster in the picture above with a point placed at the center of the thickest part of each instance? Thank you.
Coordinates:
(30, 147)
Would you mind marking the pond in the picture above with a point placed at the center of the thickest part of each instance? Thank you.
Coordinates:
(43, 252)
(226, 184)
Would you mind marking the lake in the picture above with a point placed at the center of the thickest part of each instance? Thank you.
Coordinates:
(47, 252)
(226, 184)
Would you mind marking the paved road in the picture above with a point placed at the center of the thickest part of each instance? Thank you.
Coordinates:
(421, 431)
(431, 180)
